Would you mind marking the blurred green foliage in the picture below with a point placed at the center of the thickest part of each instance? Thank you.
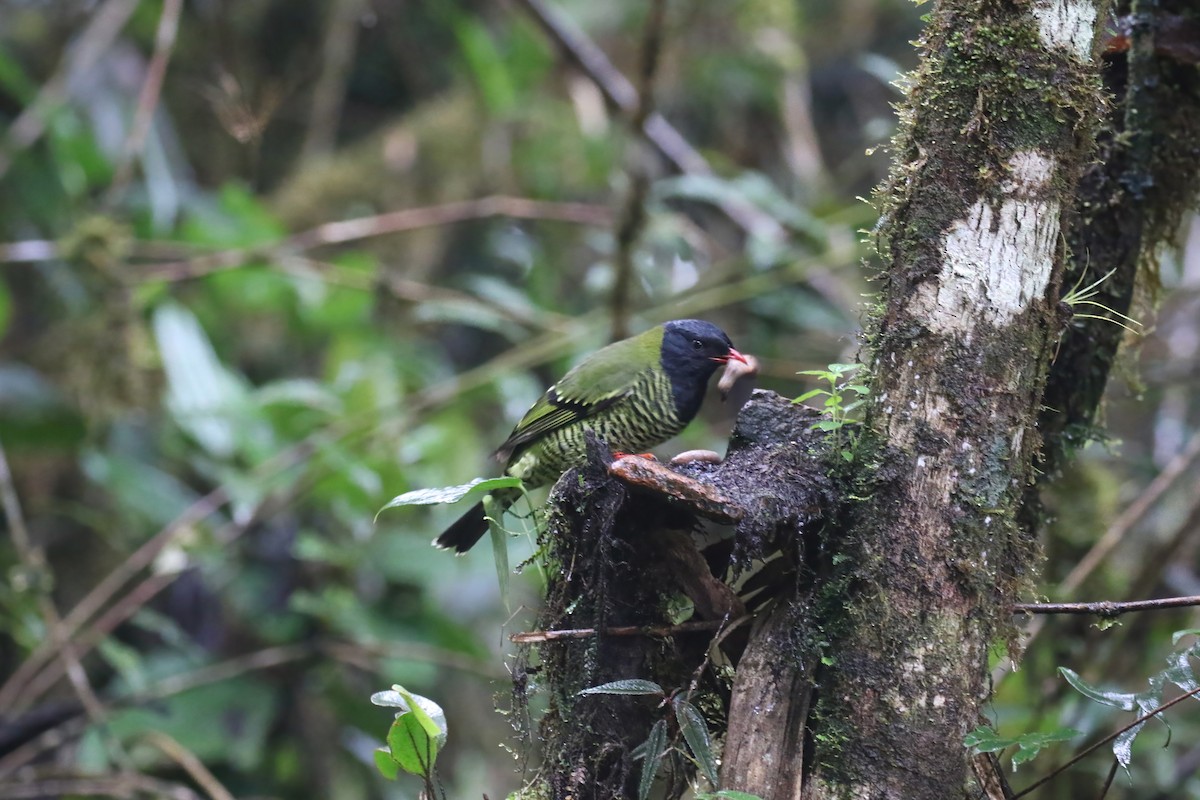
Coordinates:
(180, 366)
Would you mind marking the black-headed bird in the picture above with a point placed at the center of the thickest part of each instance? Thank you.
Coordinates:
(634, 394)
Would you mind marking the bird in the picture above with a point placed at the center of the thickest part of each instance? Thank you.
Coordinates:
(634, 394)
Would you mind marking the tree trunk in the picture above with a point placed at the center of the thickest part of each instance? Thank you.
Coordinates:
(866, 661)
(999, 121)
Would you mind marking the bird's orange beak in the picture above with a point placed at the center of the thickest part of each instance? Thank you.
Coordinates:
(734, 355)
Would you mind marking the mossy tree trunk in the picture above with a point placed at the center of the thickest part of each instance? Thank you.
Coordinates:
(866, 665)
(999, 121)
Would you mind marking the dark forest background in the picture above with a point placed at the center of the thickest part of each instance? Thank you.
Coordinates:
(265, 264)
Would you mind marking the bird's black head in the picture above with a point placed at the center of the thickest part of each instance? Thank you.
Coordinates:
(692, 349)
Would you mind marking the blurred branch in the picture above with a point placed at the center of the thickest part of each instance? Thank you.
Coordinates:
(1173, 545)
(125, 785)
(1087, 752)
(189, 763)
(530, 637)
(358, 654)
(148, 97)
(337, 57)
(587, 57)
(1112, 538)
(35, 250)
(13, 689)
(618, 92)
(379, 225)
(102, 30)
(32, 250)
(416, 292)
(632, 218)
(38, 578)
(540, 349)
(1132, 515)
(1105, 608)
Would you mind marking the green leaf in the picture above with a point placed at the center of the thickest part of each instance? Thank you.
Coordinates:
(499, 539)
(1040, 739)
(1023, 755)
(842, 369)
(986, 740)
(626, 686)
(1122, 700)
(828, 424)
(487, 65)
(1175, 637)
(810, 395)
(299, 392)
(203, 396)
(388, 767)
(1179, 671)
(655, 746)
(856, 387)
(727, 794)
(418, 732)
(818, 373)
(695, 733)
(449, 494)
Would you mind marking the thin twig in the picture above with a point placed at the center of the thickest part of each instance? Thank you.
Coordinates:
(543, 348)
(190, 764)
(45, 742)
(337, 58)
(1112, 773)
(103, 27)
(1088, 751)
(1106, 608)
(1112, 537)
(31, 250)
(538, 350)
(618, 92)
(632, 218)
(44, 679)
(1132, 515)
(407, 219)
(93, 601)
(166, 687)
(37, 569)
(356, 654)
(530, 637)
(588, 58)
(125, 785)
(148, 97)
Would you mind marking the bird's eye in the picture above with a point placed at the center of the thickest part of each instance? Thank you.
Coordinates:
(697, 344)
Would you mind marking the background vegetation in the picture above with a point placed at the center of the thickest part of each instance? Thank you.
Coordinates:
(270, 263)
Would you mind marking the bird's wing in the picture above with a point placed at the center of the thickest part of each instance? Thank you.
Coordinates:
(554, 412)
(598, 382)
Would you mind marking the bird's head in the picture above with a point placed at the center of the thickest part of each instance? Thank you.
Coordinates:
(696, 346)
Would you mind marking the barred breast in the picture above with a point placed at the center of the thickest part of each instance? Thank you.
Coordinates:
(642, 419)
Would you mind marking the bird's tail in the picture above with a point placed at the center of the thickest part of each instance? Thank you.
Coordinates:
(468, 529)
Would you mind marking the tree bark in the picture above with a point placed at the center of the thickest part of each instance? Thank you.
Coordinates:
(866, 663)
(999, 121)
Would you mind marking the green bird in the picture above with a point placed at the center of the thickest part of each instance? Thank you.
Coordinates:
(634, 394)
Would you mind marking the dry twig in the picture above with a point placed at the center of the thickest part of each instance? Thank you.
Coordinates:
(148, 97)
(104, 26)
(529, 637)
(1106, 608)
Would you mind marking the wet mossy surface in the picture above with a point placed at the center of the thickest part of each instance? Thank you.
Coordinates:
(607, 571)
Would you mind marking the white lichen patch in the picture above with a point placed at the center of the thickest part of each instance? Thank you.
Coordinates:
(998, 259)
(1069, 24)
